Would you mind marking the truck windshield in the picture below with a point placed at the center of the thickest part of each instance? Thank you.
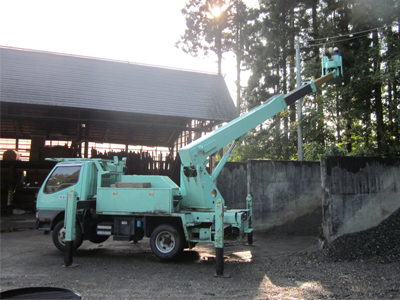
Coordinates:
(62, 178)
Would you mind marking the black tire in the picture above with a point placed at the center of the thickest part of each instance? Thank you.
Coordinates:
(167, 242)
(59, 236)
(98, 239)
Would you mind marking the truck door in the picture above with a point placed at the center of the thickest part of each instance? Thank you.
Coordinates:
(55, 190)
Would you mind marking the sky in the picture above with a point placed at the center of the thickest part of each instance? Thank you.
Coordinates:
(135, 31)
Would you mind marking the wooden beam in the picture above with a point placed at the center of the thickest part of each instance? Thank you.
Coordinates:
(84, 121)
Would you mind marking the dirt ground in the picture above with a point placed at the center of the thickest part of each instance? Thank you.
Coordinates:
(275, 267)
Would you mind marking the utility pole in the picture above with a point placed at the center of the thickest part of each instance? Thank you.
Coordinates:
(299, 107)
(238, 57)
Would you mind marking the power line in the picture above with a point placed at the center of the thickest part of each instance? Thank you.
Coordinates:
(339, 41)
(349, 34)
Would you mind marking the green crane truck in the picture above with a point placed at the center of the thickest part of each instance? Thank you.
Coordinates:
(92, 199)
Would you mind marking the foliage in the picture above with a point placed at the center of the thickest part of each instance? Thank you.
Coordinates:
(356, 116)
(210, 26)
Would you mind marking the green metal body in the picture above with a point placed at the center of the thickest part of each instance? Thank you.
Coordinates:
(98, 179)
(156, 200)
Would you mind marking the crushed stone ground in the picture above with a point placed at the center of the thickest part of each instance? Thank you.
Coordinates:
(365, 265)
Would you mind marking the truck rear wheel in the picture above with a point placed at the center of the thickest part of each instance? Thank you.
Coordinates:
(167, 242)
(59, 236)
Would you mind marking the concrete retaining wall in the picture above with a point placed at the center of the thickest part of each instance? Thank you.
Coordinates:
(358, 193)
(282, 192)
(232, 184)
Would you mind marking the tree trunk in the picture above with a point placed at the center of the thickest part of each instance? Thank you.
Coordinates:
(292, 80)
(218, 44)
(380, 131)
(219, 53)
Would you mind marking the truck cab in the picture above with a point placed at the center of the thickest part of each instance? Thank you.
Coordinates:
(79, 174)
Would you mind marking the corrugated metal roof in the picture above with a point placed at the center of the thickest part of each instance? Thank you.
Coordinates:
(42, 78)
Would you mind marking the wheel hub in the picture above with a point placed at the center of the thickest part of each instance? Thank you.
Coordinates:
(61, 236)
(165, 242)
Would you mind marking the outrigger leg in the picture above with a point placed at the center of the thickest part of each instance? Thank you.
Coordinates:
(249, 204)
(219, 238)
(69, 223)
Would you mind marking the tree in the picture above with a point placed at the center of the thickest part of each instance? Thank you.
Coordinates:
(210, 27)
(269, 52)
(216, 26)
(356, 116)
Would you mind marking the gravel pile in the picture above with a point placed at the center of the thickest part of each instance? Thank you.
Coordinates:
(381, 242)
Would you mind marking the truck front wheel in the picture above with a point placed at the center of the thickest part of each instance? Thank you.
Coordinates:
(167, 242)
(59, 236)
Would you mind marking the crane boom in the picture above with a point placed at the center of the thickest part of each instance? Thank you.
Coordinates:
(196, 182)
(198, 151)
